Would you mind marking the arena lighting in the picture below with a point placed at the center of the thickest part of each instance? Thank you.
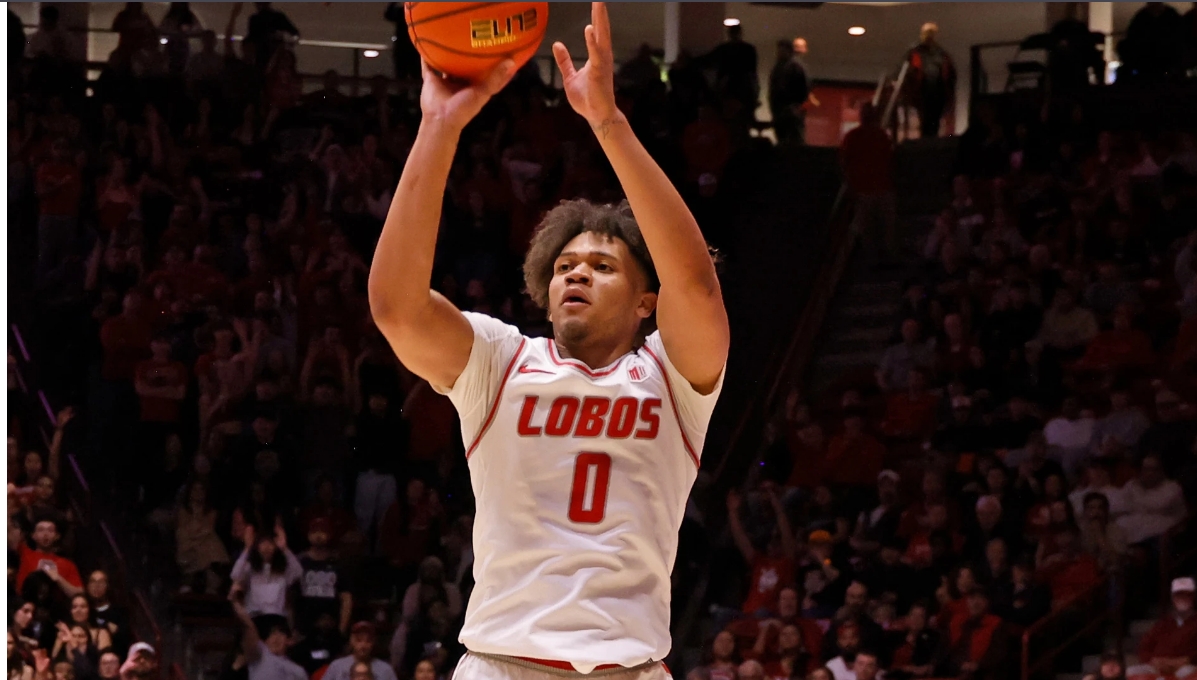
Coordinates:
(370, 54)
(731, 22)
(161, 41)
(856, 30)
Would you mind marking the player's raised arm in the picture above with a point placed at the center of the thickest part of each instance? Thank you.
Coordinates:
(690, 312)
(429, 335)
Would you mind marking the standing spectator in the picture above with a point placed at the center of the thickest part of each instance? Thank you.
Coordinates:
(268, 30)
(1154, 43)
(59, 190)
(735, 70)
(267, 659)
(324, 587)
(1073, 51)
(178, 26)
(51, 41)
(1169, 649)
(264, 572)
(932, 79)
(161, 382)
(200, 553)
(772, 569)
(790, 92)
(867, 157)
(361, 641)
(407, 59)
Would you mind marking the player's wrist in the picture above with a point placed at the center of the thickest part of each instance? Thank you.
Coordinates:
(439, 128)
(604, 124)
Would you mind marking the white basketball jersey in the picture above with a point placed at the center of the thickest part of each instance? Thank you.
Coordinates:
(581, 478)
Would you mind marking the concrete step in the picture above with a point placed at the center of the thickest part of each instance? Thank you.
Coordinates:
(878, 335)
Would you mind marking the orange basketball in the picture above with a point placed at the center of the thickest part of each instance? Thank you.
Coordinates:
(467, 40)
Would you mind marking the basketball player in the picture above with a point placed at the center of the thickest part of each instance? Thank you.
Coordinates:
(582, 447)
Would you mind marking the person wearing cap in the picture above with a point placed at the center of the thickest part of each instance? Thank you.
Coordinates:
(141, 662)
(1169, 649)
(324, 586)
(361, 641)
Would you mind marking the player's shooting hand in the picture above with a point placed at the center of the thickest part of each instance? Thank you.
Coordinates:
(591, 89)
(454, 104)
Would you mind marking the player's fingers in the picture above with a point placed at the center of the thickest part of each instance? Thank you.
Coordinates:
(602, 25)
(593, 51)
(499, 77)
(565, 63)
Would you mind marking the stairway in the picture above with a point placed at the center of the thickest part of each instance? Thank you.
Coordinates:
(863, 317)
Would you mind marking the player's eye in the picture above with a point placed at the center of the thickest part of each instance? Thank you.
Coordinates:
(603, 267)
(563, 267)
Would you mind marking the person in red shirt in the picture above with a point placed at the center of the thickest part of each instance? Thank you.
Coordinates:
(808, 451)
(854, 457)
(59, 186)
(126, 340)
(867, 157)
(1120, 347)
(42, 558)
(911, 414)
(1069, 571)
(1169, 649)
(977, 641)
(774, 568)
(161, 383)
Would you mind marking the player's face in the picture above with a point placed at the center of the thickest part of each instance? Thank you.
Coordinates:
(597, 290)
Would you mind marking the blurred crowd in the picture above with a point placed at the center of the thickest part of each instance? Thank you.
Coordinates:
(1026, 446)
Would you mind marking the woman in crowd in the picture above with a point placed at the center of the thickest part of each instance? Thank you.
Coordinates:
(264, 572)
(200, 553)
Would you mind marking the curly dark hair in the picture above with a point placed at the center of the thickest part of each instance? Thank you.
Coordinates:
(570, 219)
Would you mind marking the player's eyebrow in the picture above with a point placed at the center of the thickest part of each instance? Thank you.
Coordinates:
(599, 253)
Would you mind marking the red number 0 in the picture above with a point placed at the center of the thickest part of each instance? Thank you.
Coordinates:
(588, 498)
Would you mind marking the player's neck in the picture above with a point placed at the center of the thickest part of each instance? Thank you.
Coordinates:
(597, 354)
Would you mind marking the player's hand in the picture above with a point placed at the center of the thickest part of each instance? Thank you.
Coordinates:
(591, 89)
(454, 104)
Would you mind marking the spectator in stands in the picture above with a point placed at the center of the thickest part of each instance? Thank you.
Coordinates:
(200, 553)
(266, 658)
(750, 670)
(854, 457)
(915, 654)
(76, 648)
(865, 666)
(770, 569)
(324, 587)
(1072, 53)
(141, 662)
(178, 26)
(875, 525)
(893, 373)
(268, 30)
(51, 40)
(932, 79)
(790, 94)
(1154, 503)
(1171, 436)
(59, 188)
(81, 615)
(1169, 649)
(110, 666)
(41, 559)
(264, 572)
(1124, 423)
(106, 613)
(1100, 537)
(976, 644)
(866, 155)
(735, 70)
(847, 646)
(1152, 51)
(361, 641)
(723, 657)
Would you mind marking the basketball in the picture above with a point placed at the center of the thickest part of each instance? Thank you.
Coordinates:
(466, 40)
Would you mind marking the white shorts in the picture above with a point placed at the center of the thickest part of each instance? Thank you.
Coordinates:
(475, 667)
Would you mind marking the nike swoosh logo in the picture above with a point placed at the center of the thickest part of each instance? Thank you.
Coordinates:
(525, 369)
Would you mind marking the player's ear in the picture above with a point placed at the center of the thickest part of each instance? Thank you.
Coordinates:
(646, 305)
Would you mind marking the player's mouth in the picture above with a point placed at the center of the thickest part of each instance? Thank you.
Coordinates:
(574, 298)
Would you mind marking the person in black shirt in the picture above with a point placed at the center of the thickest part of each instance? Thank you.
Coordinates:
(324, 587)
(735, 69)
(933, 79)
(1072, 53)
(789, 92)
(266, 27)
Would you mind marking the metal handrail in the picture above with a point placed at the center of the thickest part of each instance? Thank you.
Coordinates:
(1112, 613)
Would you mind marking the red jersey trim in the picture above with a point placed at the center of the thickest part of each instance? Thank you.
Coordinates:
(572, 363)
(494, 407)
(673, 402)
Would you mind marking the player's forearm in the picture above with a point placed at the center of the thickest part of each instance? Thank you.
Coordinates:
(672, 235)
(401, 274)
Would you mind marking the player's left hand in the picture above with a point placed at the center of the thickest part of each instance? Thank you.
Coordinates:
(591, 89)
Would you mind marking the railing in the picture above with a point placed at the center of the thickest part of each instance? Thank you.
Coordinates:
(993, 57)
(1050, 625)
(106, 553)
